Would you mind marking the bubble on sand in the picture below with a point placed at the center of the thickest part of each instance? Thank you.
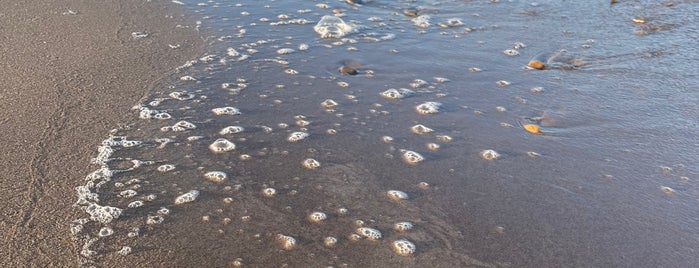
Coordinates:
(166, 168)
(311, 163)
(103, 214)
(411, 157)
(423, 185)
(490, 154)
(369, 233)
(215, 176)
(511, 52)
(400, 93)
(429, 107)
(135, 204)
(402, 226)
(396, 195)
(125, 250)
(154, 219)
(297, 136)
(420, 129)
(187, 197)
(667, 190)
(226, 111)
(317, 217)
(329, 241)
(502, 83)
(403, 247)
(342, 211)
(422, 21)
(533, 154)
(105, 231)
(332, 27)
(444, 138)
(328, 104)
(283, 51)
(180, 126)
(387, 139)
(287, 242)
(433, 146)
(181, 95)
(127, 193)
(231, 130)
(187, 78)
(221, 146)
(269, 192)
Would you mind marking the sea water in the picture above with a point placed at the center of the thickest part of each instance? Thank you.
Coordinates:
(310, 129)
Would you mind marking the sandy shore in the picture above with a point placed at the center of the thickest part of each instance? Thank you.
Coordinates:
(71, 71)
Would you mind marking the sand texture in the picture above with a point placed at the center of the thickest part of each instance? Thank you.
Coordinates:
(71, 70)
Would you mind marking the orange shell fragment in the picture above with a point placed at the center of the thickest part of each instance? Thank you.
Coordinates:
(536, 64)
(531, 128)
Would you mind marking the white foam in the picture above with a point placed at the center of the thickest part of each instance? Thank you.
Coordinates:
(187, 197)
(332, 27)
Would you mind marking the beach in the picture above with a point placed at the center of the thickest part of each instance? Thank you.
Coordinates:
(71, 71)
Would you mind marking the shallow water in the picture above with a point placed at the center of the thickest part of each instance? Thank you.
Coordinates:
(614, 132)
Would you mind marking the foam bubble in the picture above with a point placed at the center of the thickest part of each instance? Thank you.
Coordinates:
(125, 250)
(283, 51)
(187, 197)
(429, 107)
(328, 104)
(297, 136)
(421, 129)
(387, 139)
(166, 167)
(269, 192)
(422, 21)
(105, 231)
(226, 111)
(396, 195)
(317, 217)
(231, 130)
(103, 214)
(403, 247)
(332, 27)
(287, 242)
(490, 154)
(411, 157)
(369, 233)
(403, 226)
(221, 146)
(330, 241)
(400, 93)
(215, 176)
(311, 163)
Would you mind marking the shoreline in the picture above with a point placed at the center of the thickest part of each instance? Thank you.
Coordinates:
(72, 71)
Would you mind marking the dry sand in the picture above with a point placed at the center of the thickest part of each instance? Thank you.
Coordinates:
(71, 71)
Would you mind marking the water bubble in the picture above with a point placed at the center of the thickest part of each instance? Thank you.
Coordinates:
(328, 104)
(297, 136)
(226, 111)
(125, 250)
(403, 226)
(387, 139)
(311, 163)
(105, 231)
(400, 93)
(187, 197)
(420, 129)
(287, 242)
(317, 217)
(403, 247)
(269, 192)
(369, 233)
(221, 146)
(396, 195)
(231, 130)
(444, 138)
(490, 154)
(166, 167)
(433, 146)
(283, 51)
(429, 107)
(411, 157)
(511, 52)
(332, 27)
(330, 241)
(502, 83)
(215, 176)
(667, 190)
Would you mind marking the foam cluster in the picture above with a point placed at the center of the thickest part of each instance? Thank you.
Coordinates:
(328, 104)
(429, 107)
(403, 226)
(297, 136)
(403, 247)
(231, 130)
(400, 93)
(330, 241)
(317, 217)
(216, 176)
(332, 27)
(103, 214)
(269, 192)
(287, 242)
(187, 197)
(221, 146)
(396, 195)
(226, 111)
(180, 126)
(490, 154)
(420, 129)
(411, 157)
(311, 163)
(369, 233)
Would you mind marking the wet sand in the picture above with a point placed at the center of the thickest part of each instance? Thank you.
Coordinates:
(71, 71)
